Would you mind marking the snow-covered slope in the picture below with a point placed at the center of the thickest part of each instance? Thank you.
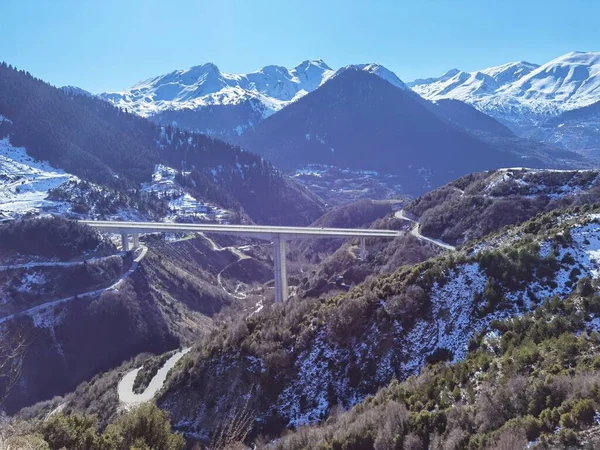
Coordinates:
(181, 203)
(522, 94)
(25, 182)
(269, 88)
(26, 185)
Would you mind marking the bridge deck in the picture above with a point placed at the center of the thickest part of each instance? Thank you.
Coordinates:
(257, 231)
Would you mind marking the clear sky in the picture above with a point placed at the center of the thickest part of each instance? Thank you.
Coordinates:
(103, 45)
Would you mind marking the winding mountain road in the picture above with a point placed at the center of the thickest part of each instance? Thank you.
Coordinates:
(115, 286)
(125, 392)
(236, 251)
(416, 232)
(33, 265)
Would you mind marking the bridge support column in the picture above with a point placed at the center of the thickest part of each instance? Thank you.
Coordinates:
(136, 240)
(125, 242)
(281, 286)
(363, 249)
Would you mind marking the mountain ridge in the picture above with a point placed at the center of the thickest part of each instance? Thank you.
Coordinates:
(206, 100)
(522, 91)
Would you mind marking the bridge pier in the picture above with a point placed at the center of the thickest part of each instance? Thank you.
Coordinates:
(363, 249)
(136, 240)
(281, 286)
(125, 242)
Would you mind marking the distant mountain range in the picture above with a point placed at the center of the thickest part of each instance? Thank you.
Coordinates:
(206, 100)
(537, 101)
(522, 94)
(527, 98)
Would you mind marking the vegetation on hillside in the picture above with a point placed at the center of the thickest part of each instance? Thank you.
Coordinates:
(92, 201)
(148, 371)
(50, 237)
(144, 428)
(25, 287)
(360, 214)
(167, 303)
(530, 378)
(480, 203)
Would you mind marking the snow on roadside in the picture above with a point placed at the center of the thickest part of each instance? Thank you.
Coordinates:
(32, 281)
(25, 182)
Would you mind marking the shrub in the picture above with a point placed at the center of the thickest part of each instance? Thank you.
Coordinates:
(347, 320)
(73, 431)
(585, 287)
(439, 355)
(413, 442)
(509, 439)
(146, 427)
(583, 412)
(408, 305)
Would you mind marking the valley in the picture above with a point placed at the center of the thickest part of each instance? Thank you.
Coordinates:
(302, 256)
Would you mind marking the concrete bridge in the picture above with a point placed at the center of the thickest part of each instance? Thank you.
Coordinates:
(278, 235)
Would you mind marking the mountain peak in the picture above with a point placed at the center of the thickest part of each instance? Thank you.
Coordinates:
(376, 69)
(450, 73)
(273, 69)
(208, 68)
(446, 76)
(306, 64)
(273, 86)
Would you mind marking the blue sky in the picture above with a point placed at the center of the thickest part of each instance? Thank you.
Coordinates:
(104, 45)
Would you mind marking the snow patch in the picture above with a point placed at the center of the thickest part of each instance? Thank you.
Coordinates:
(25, 182)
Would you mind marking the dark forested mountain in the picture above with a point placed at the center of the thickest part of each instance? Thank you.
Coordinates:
(98, 142)
(360, 121)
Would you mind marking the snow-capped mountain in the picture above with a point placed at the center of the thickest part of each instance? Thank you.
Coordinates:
(522, 94)
(271, 87)
(206, 100)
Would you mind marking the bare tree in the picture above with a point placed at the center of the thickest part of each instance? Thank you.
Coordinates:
(509, 439)
(14, 343)
(234, 430)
